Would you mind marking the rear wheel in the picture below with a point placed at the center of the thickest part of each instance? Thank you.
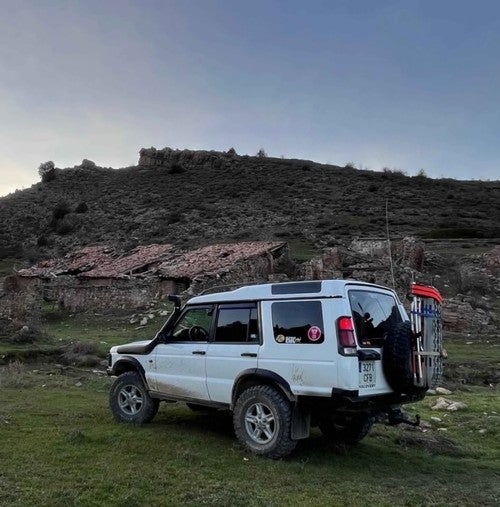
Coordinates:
(262, 422)
(346, 429)
(129, 399)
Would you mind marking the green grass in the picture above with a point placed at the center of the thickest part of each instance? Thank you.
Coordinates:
(461, 346)
(301, 251)
(61, 447)
(61, 328)
(106, 330)
(471, 359)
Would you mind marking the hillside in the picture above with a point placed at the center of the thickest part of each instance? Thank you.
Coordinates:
(194, 198)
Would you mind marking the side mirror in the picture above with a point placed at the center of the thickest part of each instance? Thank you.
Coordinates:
(176, 300)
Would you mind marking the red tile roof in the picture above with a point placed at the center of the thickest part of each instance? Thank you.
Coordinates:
(79, 261)
(99, 262)
(161, 260)
(213, 258)
(141, 258)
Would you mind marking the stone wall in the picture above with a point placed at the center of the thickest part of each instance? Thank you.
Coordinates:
(21, 301)
(151, 157)
(369, 261)
(103, 295)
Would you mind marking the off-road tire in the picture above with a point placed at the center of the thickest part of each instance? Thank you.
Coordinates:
(129, 400)
(397, 358)
(347, 430)
(272, 438)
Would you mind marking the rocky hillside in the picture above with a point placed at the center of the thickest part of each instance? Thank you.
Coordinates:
(193, 198)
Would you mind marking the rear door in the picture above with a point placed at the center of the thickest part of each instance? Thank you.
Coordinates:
(299, 344)
(233, 349)
(374, 312)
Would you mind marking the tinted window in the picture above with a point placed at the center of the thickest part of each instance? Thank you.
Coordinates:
(298, 322)
(237, 325)
(373, 315)
(296, 288)
(194, 325)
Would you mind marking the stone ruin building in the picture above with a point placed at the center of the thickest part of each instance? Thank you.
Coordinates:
(99, 278)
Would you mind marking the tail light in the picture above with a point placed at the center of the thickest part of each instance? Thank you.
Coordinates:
(346, 338)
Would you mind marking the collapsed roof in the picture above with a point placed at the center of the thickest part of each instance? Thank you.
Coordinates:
(149, 260)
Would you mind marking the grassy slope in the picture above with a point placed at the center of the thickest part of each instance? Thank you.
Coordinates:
(253, 198)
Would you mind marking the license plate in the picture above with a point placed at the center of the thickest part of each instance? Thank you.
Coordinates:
(367, 374)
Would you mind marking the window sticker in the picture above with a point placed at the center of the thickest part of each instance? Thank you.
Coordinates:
(297, 322)
(314, 333)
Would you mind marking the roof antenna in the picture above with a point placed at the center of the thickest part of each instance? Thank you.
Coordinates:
(389, 241)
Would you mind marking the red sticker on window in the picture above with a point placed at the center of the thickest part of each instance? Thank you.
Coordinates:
(314, 333)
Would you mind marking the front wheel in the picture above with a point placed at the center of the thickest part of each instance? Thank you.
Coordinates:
(262, 422)
(129, 399)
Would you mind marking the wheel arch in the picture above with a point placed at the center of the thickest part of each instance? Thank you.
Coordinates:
(127, 363)
(257, 376)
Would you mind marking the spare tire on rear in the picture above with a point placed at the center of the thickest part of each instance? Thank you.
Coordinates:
(397, 358)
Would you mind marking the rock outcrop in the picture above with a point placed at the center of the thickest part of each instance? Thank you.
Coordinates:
(167, 157)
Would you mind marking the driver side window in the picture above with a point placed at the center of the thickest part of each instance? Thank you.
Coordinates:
(193, 326)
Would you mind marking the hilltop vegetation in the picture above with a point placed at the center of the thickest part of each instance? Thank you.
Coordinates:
(196, 202)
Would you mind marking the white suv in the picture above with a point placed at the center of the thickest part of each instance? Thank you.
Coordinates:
(284, 357)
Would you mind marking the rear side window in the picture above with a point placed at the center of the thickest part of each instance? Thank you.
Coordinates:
(237, 324)
(374, 314)
(298, 322)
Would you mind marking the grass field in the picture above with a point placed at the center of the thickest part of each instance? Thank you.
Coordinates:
(61, 447)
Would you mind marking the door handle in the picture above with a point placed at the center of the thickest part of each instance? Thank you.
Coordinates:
(199, 352)
(369, 355)
(248, 354)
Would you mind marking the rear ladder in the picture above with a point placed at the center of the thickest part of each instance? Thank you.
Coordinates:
(427, 327)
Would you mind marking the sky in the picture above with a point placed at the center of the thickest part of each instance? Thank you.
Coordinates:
(403, 84)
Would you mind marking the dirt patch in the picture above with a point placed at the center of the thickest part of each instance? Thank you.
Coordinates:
(435, 444)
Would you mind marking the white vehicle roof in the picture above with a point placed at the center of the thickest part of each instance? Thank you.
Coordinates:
(295, 290)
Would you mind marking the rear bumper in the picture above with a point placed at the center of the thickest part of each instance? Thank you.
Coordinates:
(351, 401)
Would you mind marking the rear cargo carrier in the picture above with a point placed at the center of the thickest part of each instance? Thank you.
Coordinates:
(426, 324)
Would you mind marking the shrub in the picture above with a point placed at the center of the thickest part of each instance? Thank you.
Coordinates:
(27, 335)
(261, 153)
(174, 217)
(82, 208)
(176, 168)
(421, 174)
(61, 210)
(81, 354)
(47, 171)
(87, 164)
(63, 227)
(42, 240)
